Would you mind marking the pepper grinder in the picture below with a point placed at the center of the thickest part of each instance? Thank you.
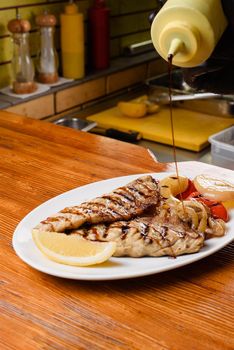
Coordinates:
(47, 65)
(22, 64)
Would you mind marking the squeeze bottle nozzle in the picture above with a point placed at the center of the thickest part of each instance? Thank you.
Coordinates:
(175, 47)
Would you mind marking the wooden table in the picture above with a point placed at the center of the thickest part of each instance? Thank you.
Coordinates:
(187, 308)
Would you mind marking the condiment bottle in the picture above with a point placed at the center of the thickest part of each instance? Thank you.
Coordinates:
(188, 30)
(47, 63)
(72, 42)
(99, 32)
(22, 64)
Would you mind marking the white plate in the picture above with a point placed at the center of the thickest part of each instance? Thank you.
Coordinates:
(115, 268)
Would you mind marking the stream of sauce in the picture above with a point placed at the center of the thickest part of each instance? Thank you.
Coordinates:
(170, 59)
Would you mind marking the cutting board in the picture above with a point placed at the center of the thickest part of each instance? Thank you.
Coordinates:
(192, 129)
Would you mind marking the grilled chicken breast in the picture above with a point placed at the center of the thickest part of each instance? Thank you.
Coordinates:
(147, 236)
(140, 221)
(123, 203)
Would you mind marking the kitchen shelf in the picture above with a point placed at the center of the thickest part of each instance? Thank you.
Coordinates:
(117, 65)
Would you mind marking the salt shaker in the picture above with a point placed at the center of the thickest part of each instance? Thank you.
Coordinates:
(47, 63)
(22, 64)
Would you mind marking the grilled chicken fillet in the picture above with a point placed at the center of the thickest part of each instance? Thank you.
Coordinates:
(162, 232)
(123, 203)
(146, 236)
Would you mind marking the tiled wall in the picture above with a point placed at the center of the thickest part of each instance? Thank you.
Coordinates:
(129, 24)
(81, 96)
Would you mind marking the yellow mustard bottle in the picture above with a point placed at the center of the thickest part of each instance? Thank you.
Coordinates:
(189, 30)
(72, 42)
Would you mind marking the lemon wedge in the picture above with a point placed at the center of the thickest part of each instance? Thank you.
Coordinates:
(133, 109)
(72, 249)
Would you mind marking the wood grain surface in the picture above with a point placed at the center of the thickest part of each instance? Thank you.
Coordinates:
(187, 308)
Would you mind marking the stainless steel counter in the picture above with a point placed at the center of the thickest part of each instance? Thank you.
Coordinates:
(164, 153)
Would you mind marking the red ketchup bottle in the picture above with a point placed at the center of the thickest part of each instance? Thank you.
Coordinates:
(99, 31)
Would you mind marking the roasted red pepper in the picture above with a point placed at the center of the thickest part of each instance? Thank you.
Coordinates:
(191, 188)
(218, 211)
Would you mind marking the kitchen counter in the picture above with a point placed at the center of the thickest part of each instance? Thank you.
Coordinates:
(164, 153)
(187, 308)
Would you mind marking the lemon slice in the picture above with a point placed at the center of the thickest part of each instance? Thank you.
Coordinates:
(72, 249)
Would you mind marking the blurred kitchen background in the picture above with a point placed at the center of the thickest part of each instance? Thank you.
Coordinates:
(133, 63)
(128, 25)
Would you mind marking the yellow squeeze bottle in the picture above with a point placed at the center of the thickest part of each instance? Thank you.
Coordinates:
(72, 42)
(189, 30)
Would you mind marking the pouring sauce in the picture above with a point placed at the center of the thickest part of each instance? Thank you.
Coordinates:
(170, 59)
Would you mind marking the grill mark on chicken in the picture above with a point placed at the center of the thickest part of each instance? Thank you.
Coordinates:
(100, 209)
(123, 203)
(117, 205)
(147, 236)
(127, 194)
(125, 197)
(144, 230)
(115, 200)
(163, 233)
(124, 228)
